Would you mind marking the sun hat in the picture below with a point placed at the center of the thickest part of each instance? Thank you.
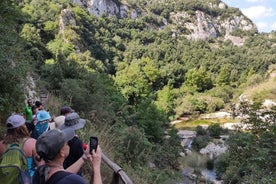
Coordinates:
(43, 115)
(65, 110)
(49, 143)
(59, 120)
(74, 121)
(15, 121)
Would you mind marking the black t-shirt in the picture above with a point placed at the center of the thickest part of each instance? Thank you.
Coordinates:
(76, 151)
(63, 177)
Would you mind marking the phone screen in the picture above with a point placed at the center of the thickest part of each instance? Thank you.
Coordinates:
(93, 144)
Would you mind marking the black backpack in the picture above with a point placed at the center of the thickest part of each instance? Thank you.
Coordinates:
(41, 172)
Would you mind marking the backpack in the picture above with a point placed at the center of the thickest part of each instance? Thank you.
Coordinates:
(40, 128)
(13, 166)
(39, 176)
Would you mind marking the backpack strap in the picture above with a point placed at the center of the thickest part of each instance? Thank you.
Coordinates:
(17, 147)
(23, 142)
(56, 177)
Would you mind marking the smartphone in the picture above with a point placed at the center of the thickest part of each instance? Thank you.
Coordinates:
(93, 144)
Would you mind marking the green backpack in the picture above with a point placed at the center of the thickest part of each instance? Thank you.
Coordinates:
(13, 166)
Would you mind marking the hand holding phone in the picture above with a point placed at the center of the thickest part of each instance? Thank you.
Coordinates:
(93, 144)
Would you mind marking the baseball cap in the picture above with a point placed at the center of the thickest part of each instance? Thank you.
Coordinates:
(73, 121)
(15, 121)
(49, 143)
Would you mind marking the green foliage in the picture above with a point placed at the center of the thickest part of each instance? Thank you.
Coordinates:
(224, 93)
(224, 77)
(200, 130)
(13, 61)
(200, 142)
(152, 125)
(166, 153)
(133, 82)
(134, 147)
(132, 74)
(198, 103)
(165, 100)
(210, 164)
(214, 130)
(259, 120)
(221, 164)
(198, 79)
(251, 157)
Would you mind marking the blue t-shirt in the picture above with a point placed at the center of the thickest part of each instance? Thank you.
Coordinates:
(31, 166)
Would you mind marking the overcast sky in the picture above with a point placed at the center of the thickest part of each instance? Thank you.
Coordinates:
(261, 12)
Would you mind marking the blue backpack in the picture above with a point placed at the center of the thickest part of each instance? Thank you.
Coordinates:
(40, 128)
(13, 166)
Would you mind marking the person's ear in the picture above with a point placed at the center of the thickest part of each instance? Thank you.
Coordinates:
(62, 151)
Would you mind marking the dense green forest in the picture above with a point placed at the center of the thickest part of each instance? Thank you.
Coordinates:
(132, 76)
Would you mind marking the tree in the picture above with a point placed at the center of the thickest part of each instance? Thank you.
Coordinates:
(133, 82)
(199, 79)
(13, 61)
(251, 155)
(224, 76)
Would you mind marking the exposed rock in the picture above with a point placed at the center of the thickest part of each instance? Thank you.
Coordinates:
(184, 134)
(182, 154)
(199, 26)
(235, 39)
(214, 150)
(269, 104)
(221, 5)
(67, 18)
(203, 28)
(216, 115)
(98, 7)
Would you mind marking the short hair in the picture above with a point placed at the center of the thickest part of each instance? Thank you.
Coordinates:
(38, 103)
(65, 110)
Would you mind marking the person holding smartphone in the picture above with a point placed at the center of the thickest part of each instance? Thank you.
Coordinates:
(72, 120)
(53, 148)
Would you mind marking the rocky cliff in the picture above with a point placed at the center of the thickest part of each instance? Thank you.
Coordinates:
(194, 25)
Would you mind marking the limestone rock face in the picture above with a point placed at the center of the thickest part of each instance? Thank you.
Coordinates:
(202, 26)
(198, 25)
(98, 7)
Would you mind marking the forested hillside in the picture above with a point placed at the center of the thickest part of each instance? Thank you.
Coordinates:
(135, 70)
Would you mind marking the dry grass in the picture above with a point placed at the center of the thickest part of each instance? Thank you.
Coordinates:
(264, 90)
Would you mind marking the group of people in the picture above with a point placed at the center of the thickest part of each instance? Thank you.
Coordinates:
(54, 152)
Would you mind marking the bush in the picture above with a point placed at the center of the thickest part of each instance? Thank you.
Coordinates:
(200, 130)
(214, 130)
(200, 142)
(221, 165)
(210, 164)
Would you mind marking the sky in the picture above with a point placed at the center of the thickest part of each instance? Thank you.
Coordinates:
(261, 12)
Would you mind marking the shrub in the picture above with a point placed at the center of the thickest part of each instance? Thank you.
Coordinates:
(210, 164)
(200, 142)
(200, 130)
(214, 130)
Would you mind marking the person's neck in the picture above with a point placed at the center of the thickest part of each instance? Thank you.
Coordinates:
(56, 165)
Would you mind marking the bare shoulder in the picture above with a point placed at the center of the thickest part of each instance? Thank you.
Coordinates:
(30, 140)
